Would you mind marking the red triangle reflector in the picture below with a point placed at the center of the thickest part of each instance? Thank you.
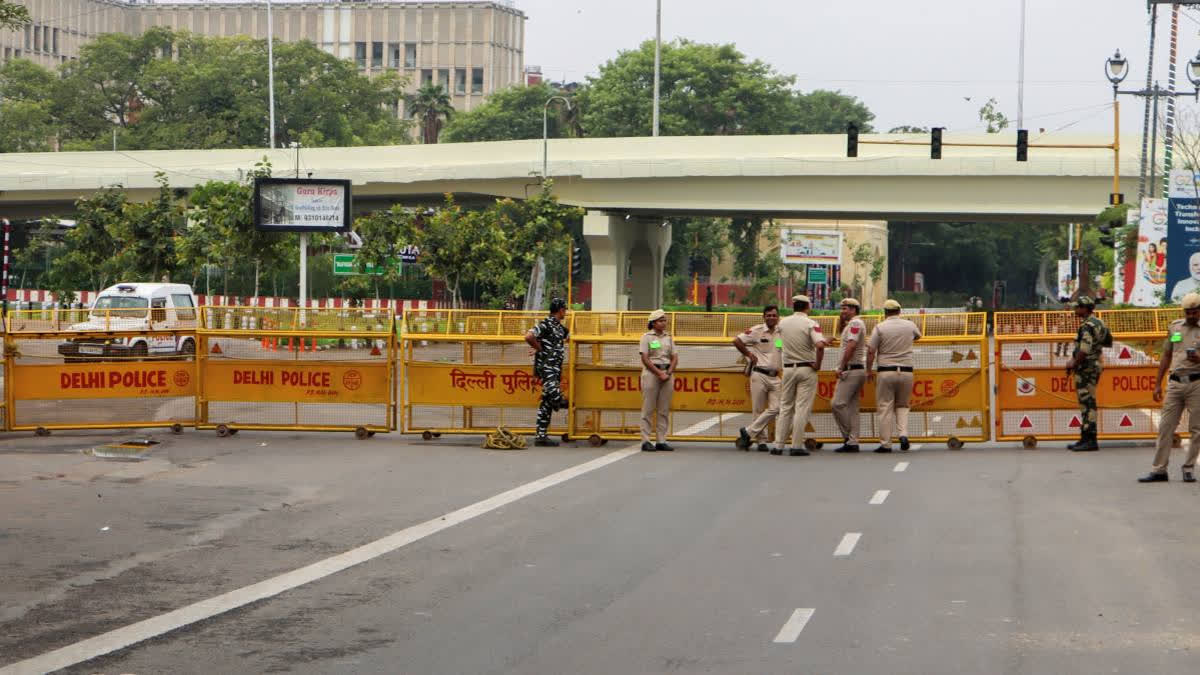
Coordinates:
(1075, 424)
(1125, 421)
(1026, 356)
(1026, 423)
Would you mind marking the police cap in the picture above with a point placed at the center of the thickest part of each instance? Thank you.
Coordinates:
(801, 298)
(891, 305)
(850, 302)
(1191, 301)
(656, 315)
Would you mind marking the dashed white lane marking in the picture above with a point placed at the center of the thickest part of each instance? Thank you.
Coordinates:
(846, 547)
(915, 447)
(901, 467)
(205, 609)
(791, 630)
(880, 497)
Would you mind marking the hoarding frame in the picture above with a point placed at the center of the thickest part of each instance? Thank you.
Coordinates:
(347, 203)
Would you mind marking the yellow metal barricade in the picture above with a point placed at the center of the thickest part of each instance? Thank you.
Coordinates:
(712, 395)
(470, 372)
(1035, 396)
(75, 369)
(294, 369)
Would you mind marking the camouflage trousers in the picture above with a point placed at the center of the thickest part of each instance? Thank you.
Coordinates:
(552, 397)
(1087, 376)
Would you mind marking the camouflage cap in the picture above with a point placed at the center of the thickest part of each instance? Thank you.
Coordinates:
(1085, 301)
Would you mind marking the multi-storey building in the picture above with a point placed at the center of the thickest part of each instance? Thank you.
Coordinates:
(471, 47)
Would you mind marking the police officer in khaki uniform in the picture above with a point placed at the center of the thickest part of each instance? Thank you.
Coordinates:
(803, 349)
(761, 345)
(891, 346)
(659, 359)
(852, 375)
(1181, 359)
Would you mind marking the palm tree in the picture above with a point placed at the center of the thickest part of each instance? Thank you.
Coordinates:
(429, 105)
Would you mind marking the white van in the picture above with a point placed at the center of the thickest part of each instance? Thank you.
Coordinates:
(137, 307)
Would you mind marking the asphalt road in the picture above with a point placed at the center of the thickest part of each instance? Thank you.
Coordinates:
(989, 560)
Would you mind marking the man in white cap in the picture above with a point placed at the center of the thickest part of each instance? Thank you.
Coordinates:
(1180, 358)
(852, 375)
(803, 347)
(761, 345)
(891, 346)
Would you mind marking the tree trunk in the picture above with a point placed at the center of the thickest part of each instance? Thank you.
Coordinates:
(257, 269)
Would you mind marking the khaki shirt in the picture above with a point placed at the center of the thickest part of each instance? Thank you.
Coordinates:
(658, 348)
(856, 329)
(800, 336)
(1188, 337)
(762, 343)
(893, 341)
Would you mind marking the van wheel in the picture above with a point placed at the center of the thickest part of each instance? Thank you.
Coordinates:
(177, 428)
(139, 351)
(188, 348)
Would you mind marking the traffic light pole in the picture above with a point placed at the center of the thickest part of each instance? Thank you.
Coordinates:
(570, 268)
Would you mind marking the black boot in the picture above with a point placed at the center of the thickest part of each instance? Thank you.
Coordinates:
(1086, 444)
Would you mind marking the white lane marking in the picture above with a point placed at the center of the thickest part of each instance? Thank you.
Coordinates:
(791, 630)
(846, 547)
(880, 497)
(901, 467)
(915, 447)
(165, 623)
(699, 426)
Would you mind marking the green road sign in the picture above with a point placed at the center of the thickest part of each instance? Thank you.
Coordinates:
(344, 264)
(817, 275)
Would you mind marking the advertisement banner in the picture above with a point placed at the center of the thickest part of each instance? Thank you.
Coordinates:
(55, 382)
(1183, 231)
(301, 205)
(810, 247)
(1066, 285)
(1150, 262)
(275, 382)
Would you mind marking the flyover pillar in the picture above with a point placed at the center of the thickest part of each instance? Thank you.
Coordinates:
(620, 246)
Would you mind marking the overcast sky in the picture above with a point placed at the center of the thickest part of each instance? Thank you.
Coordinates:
(911, 62)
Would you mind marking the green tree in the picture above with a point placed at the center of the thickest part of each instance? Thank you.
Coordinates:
(431, 104)
(384, 235)
(458, 246)
(707, 89)
(908, 129)
(110, 73)
(27, 112)
(995, 120)
(13, 16)
(89, 255)
(146, 235)
(510, 114)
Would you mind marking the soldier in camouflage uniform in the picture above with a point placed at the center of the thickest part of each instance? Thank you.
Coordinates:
(549, 341)
(1085, 364)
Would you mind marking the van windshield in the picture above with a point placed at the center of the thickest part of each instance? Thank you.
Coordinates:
(121, 305)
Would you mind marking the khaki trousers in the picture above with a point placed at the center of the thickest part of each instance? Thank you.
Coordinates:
(796, 401)
(656, 406)
(846, 403)
(1179, 395)
(764, 395)
(893, 390)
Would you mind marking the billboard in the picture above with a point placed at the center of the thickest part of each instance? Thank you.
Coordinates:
(1183, 231)
(810, 247)
(1066, 285)
(301, 205)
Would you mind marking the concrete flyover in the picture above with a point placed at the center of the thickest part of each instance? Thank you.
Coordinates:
(629, 184)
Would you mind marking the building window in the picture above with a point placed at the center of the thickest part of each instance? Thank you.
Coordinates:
(360, 55)
(477, 80)
(444, 79)
(393, 50)
(37, 38)
(410, 55)
(166, 52)
(55, 43)
(7, 53)
(28, 38)
(460, 81)
(426, 77)
(376, 55)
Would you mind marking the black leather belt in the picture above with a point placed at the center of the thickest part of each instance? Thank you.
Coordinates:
(855, 366)
(1185, 378)
(892, 369)
(769, 372)
(661, 366)
(801, 365)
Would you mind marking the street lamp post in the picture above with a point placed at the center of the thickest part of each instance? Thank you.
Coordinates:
(657, 62)
(546, 133)
(271, 71)
(1116, 69)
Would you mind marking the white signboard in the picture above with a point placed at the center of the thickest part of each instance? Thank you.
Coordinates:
(1066, 285)
(811, 247)
(302, 205)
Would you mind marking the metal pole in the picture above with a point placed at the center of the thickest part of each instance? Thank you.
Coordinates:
(545, 140)
(1116, 145)
(1021, 74)
(5, 272)
(657, 62)
(271, 72)
(1154, 143)
(1146, 109)
(1169, 128)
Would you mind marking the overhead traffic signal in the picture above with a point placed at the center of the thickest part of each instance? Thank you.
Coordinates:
(935, 143)
(1022, 145)
(576, 262)
(1108, 233)
(852, 140)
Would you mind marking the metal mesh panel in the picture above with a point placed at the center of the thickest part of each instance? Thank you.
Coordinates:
(54, 320)
(1120, 321)
(294, 319)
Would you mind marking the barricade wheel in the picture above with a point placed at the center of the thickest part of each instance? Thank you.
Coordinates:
(955, 443)
(810, 444)
(1176, 441)
(233, 432)
(437, 435)
(566, 438)
(595, 441)
(427, 436)
(222, 430)
(42, 431)
(370, 434)
(361, 433)
(177, 428)
(1029, 442)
